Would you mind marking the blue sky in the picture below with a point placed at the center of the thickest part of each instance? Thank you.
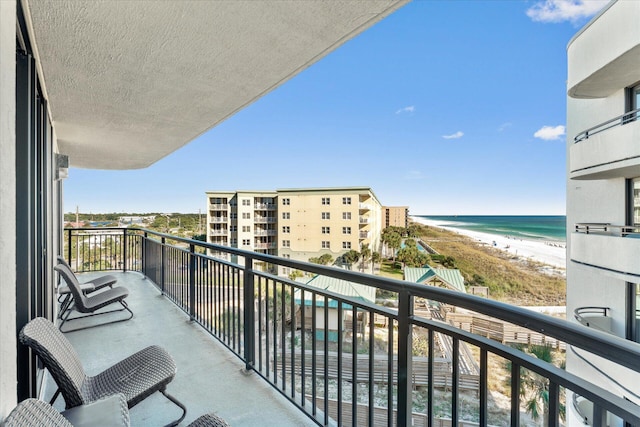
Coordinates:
(449, 107)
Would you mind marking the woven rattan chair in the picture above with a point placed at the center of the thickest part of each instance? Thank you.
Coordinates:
(90, 304)
(110, 411)
(65, 298)
(136, 377)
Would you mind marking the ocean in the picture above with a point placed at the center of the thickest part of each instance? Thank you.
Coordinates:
(538, 227)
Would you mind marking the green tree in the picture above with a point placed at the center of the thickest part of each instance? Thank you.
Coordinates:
(295, 274)
(324, 259)
(375, 259)
(351, 257)
(534, 389)
(412, 257)
(393, 240)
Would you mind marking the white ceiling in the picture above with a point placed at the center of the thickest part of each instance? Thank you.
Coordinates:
(129, 82)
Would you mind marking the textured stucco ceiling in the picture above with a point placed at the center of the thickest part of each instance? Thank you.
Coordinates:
(129, 82)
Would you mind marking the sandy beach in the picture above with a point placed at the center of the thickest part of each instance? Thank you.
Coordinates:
(547, 252)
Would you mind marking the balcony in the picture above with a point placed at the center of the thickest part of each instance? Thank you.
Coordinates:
(218, 207)
(219, 219)
(364, 234)
(265, 233)
(607, 247)
(594, 317)
(364, 220)
(265, 206)
(390, 358)
(608, 150)
(599, 59)
(264, 220)
(270, 245)
(364, 207)
(218, 232)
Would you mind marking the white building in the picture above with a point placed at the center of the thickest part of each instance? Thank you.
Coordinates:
(603, 191)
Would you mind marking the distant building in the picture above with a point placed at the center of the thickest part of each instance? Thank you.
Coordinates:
(395, 216)
(295, 223)
(356, 291)
(136, 219)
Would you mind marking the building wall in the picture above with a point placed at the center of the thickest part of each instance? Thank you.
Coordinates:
(7, 208)
(600, 199)
(395, 216)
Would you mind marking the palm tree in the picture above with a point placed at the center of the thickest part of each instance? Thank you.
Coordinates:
(365, 254)
(534, 389)
(375, 258)
(351, 257)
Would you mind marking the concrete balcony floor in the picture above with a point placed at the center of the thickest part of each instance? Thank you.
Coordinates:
(210, 379)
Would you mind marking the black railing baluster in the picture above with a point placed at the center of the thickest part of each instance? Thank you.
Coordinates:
(372, 338)
(314, 362)
(390, 374)
(483, 387)
(249, 319)
(292, 342)
(325, 335)
(354, 366)
(431, 355)
(303, 348)
(554, 404)
(515, 394)
(340, 355)
(192, 282)
(405, 358)
(124, 251)
(455, 374)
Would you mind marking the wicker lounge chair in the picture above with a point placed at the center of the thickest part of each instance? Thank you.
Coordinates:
(110, 411)
(136, 377)
(90, 304)
(65, 297)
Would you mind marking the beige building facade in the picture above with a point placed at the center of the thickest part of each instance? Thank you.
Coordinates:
(296, 223)
(395, 216)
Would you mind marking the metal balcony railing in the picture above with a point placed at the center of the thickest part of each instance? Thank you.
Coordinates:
(594, 317)
(608, 229)
(620, 120)
(281, 330)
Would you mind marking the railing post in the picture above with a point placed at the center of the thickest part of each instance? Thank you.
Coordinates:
(192, 282)
(249, 317)
(69, 250)
(124, 250)
(163, 262)
(405, 358)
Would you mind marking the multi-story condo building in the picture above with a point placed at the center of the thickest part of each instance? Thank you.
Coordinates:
(395, 216)
(603, 192)
(295, 223)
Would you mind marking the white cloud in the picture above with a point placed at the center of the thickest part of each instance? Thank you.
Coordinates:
(504, 126)
(564, 10)
(456, 135)
(550, 133)
(409, 109)
(413, 175)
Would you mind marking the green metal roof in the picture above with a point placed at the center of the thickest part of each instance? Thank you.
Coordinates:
(338, 286)
(450, 277)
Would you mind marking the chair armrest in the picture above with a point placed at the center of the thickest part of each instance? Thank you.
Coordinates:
(109, 411)
(86, 287)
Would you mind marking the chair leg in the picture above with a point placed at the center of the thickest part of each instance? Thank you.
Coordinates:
(69, 310)
(55, 396)
(177, 403)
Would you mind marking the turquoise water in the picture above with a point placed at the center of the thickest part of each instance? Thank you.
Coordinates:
(542, 227)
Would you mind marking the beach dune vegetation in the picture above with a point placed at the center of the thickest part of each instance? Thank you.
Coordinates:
(515, 281)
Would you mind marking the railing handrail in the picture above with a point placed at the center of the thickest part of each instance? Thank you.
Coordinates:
(605, 227)
(615, 349)
(620, 120)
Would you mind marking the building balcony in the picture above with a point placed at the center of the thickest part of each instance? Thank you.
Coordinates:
(608, 150)
(265, 233)
(218, 207)
(218, 232)
(364, 220)
(265, 206)
(255, 337)
(265, 220)
(602, 61)
(364, 234)
(607, 247)
(270, 245)
(364, 206)
(594, 317)
(219, 219)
